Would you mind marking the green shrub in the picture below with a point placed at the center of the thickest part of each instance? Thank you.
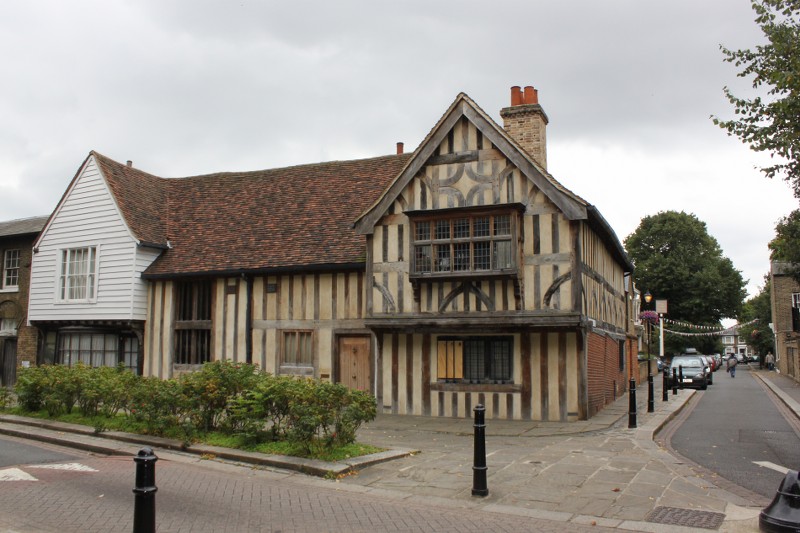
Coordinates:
(209, 391)
(325, 414)
(358, 408)
(262, 413)
(310, 415)
(6, 397)
(158, 405)
(30, 388)
(104, 390)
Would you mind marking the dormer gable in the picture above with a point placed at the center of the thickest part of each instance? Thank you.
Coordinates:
(138, 198)
(466, 134)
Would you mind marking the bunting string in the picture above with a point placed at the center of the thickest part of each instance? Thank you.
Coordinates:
(717, 332)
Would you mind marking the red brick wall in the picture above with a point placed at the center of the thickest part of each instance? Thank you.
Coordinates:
(606, 381)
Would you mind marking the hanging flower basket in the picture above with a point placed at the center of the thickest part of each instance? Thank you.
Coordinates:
(649, 316)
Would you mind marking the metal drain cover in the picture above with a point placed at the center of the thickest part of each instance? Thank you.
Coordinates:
(685, 517)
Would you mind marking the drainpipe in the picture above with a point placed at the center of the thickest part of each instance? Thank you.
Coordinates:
(249, 322)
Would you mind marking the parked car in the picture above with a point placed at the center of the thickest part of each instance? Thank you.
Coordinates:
(693, 368)
(718, 359)
(712, 367)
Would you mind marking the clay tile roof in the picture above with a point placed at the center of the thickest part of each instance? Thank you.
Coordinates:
(271, 219)
(140, 196)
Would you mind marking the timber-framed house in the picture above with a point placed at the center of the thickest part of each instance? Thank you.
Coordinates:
(491, 283)
(459, 274)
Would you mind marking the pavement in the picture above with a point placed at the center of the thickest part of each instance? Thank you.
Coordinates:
(598, 472)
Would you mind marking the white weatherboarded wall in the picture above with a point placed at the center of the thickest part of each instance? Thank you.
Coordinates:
(88, 216)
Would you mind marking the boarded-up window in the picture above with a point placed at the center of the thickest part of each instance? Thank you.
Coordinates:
(450, 366)
(193, 323)
(475, 359)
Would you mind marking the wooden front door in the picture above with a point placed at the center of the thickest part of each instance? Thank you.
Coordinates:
(8, 363)
(355, 370)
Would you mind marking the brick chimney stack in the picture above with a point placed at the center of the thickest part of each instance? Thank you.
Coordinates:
(525, 121)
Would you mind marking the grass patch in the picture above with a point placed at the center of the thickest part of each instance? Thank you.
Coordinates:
(223, 440)
(338, 453)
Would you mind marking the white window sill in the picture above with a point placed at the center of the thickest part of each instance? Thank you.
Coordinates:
(10, 289)
(292, 370)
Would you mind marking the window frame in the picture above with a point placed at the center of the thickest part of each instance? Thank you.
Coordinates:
(10, 254)
(72, 347)
(304, 339)
(445, 236)
(194, 307)
(796, 300)
(461, 364)
(9, 327)
(66, 278)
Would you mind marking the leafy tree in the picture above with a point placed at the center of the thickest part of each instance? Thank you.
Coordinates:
(786, 244)
(676, 259)
(758, 335)
(770, 125)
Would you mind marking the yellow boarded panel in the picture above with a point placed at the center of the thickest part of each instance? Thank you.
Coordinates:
(458, 363)
(441, 370)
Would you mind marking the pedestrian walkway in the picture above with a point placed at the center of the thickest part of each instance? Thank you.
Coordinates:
(598, 471)
(787, 389)
(594, 472)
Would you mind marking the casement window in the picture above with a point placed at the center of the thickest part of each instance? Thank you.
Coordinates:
(78, 274)
(193, 323)
(97, 349)
(475, 359)
(796, 311)
(10, 272)
(8, 327)
(297, 352)
(464, 242)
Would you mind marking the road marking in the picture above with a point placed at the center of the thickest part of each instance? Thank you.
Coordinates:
(772, 466)
(15, 474)
(75, 467)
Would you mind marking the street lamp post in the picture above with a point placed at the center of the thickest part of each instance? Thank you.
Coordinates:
(650, 399)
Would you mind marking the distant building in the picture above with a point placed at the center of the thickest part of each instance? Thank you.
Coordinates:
(17, 340)
(733, 343)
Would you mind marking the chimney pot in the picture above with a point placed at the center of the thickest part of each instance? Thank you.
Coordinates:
(129, 163)
(526, 122)
(399, 148)
(531, 95)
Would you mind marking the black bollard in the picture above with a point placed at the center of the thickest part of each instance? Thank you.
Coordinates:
(674, 381)
(479, 487)
(665, 387)
(651, 406)
(632, 404)
(144, 508)
(680, 375)
(783, 514)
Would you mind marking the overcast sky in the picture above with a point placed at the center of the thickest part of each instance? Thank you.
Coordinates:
(186, 87)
